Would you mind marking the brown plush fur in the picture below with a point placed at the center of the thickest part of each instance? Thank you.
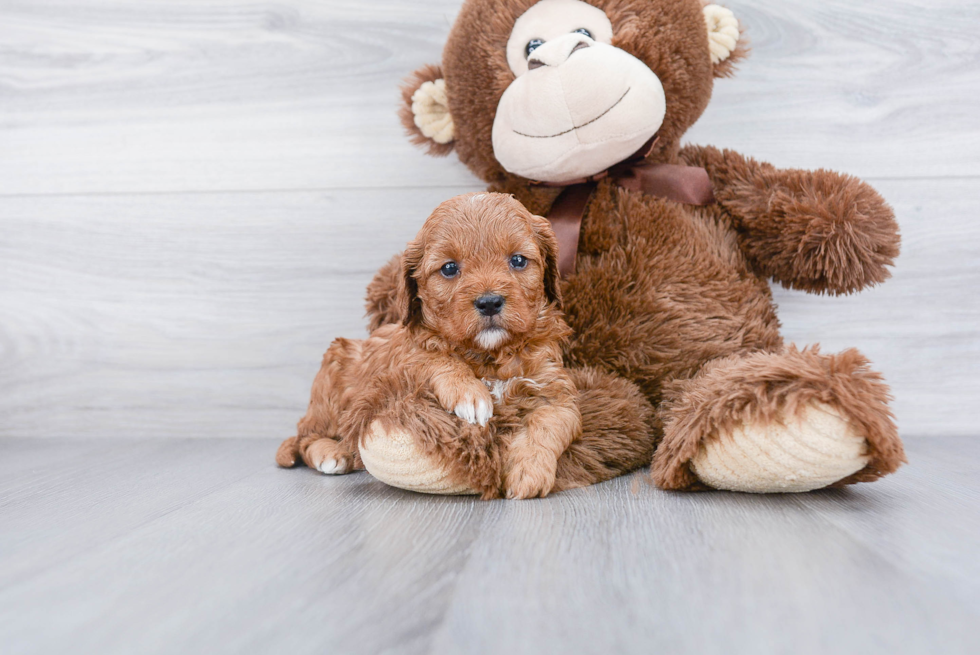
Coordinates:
(676, 298)
(619, 430)
(439, 358)
(817, 231)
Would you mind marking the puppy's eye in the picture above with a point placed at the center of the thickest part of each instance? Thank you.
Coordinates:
(583, 31)
(518, 262)
(449, 269)
(531, 45)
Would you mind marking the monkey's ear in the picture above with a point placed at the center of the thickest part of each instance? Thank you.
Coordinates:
(425, 111)
(725, 39)
(408, 291)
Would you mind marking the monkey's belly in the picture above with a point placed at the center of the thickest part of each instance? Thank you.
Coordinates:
(671, 292)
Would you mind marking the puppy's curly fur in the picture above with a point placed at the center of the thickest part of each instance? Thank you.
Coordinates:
(481, 337)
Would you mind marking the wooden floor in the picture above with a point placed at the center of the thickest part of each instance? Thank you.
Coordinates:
(193, 195)
(204, 546)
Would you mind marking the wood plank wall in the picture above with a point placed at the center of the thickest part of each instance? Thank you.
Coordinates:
(193, 194)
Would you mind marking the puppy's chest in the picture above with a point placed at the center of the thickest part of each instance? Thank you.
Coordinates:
(516, 386)
(514, 399)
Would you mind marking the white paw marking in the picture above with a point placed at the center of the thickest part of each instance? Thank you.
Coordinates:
(332, 467)
(466, 411)
(484, 411)
(474, 411)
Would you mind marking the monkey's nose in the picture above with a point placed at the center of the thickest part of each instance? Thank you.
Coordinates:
(489, 304)
(556, 52)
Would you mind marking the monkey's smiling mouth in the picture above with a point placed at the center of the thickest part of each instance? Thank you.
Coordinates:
(572, 129)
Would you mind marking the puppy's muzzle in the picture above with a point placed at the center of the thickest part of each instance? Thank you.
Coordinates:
(489, 304)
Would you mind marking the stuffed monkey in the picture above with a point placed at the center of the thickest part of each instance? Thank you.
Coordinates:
(578, 110)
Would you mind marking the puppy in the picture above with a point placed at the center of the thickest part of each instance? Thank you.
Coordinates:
(481, 336)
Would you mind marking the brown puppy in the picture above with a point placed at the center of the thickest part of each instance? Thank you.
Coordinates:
(482, 325)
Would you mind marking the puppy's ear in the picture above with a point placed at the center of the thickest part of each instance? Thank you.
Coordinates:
(408, 292)
(548, 245)
(384, 296)
(425, 111)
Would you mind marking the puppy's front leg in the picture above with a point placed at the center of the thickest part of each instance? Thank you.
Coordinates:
(531, 461)
(458, 391)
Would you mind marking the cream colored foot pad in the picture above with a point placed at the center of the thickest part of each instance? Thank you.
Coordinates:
(394, 458)
(810, 451)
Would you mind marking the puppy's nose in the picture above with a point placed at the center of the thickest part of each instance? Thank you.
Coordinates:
(489, 304)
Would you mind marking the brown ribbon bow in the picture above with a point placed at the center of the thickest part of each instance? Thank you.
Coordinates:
(686, 184)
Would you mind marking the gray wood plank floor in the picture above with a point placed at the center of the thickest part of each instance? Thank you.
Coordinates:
(203, 546)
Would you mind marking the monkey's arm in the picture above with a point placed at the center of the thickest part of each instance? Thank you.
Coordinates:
(816, 231)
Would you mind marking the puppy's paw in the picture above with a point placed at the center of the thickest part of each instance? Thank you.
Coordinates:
(474, 405)
(329, 457)
(532, 477)
(334, 466)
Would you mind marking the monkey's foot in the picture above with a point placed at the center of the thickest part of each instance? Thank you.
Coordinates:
(811, 450)
(395, 458)
(778, 422)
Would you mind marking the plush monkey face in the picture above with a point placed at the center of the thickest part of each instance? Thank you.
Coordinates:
(578, 104)
(557, 90)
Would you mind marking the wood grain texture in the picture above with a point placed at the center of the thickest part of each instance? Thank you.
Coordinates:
(135, 300)
(195, 314)
(100, 96)
(270, 561)
(129, 482)
(206, 314)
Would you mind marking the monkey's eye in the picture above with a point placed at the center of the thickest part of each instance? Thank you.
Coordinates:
(518, 262)
(449, 269)
(531, 45)
(584, 32)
